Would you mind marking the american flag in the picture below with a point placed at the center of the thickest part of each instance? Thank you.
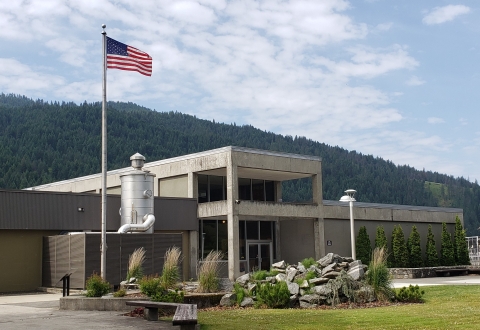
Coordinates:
(125, 57)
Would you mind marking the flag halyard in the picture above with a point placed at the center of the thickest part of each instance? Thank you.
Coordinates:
(124, 57)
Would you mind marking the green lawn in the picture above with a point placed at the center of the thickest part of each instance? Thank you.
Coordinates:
(445, 307)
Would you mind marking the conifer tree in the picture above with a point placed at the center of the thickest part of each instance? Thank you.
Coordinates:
(447, 257)
(363, 246)
(415, 259)
(381, 242)
(399, 248)
(461, 247)
(431, 255)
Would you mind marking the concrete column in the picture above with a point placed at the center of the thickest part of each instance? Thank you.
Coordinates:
(319, 232)
(278, 240)
(278, 191)
(192, 192)
(317, 188)
(232, 220)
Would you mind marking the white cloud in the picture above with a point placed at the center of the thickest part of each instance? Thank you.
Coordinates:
(444, 14)
(415, 81)
(435, 120)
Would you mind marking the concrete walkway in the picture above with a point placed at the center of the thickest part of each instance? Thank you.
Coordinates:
(473, 279)
(40, 311)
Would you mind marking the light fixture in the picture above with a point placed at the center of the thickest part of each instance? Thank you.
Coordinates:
(80, 209)
(349, 198)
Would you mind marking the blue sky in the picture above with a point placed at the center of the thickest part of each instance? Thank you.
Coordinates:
(395, 79)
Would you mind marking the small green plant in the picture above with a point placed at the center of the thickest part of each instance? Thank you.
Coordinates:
(344, 285)
(170, 275)
(261, 275)
(447, 255)
(378, 276)
(173, 296)
(307, 262)
(135, 263)
(208, 272)
(412, 294)
(120, 293)
(240, 292)
(97, 286)
(150, 285)
(415, 259)
(431, 255)
(273, 295)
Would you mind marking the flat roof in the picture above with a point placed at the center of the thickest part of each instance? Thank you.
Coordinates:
(395, 207)
(182, 158)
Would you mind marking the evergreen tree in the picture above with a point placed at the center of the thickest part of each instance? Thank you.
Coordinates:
(414, 250)
(399, 248)
(363, 246)
(447, 257)
(431, 255)
(381, 242)
(461, 247)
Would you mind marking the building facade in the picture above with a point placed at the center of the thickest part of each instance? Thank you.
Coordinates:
(242, 214)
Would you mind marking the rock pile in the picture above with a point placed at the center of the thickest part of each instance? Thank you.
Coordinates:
(331, 279)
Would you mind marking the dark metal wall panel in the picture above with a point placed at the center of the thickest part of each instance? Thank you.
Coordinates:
(175, 213)
(38, 210)
(81, 253)
(77, 260)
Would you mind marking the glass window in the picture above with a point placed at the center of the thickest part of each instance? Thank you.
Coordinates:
(258, 191)
(252, 230)
(270, 191)
(209, 236)
(266, 230)
(244, 189)
(223, 238)
(216, 188)
(202, 188)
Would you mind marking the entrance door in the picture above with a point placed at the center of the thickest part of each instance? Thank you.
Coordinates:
(259, 256)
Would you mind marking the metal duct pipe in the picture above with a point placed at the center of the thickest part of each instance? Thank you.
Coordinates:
(148, 221)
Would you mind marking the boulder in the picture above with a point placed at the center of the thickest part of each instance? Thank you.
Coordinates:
(228, 300)
(243, 280)
(325, 261)
(291, 272)
(281, 264)
(319, 280)
(328, 269)
(356, 273)
(322, 290)
(294, 288)
(280, 277)
(247, 302)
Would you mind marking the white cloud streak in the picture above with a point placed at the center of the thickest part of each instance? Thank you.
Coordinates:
(444, 14)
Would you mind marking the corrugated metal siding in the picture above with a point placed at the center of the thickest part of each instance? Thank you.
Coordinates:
(40, 210)
(81, 253)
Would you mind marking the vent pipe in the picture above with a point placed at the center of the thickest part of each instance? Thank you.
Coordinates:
(137, 198)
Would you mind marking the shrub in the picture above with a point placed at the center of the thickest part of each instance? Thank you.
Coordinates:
(378, 276)
(412, 295)
(399, 248)
(170, 275)
(273, 295)
(381, 238)
(307, 262)
(414, 250)
(208, 272)
(150, 285)
(447, 257)
(261, 275)
(164, 295)
(363, 246)
(120, 293)
(240, 292)
(97, 286)
(461, 247)
(431, 255)
(344, 285)
(135, 263)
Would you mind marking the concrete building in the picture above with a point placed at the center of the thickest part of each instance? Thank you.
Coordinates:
(241, 212)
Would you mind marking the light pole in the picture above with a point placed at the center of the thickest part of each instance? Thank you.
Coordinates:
(349, 198)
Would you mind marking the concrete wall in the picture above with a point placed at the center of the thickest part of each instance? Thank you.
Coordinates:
(297, 240)
(21, 259)
(173, 187)
(337, 232)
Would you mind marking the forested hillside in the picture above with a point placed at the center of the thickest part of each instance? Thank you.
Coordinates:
(43, 142)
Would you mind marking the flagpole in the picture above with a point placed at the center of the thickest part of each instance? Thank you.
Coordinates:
(103, 247)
